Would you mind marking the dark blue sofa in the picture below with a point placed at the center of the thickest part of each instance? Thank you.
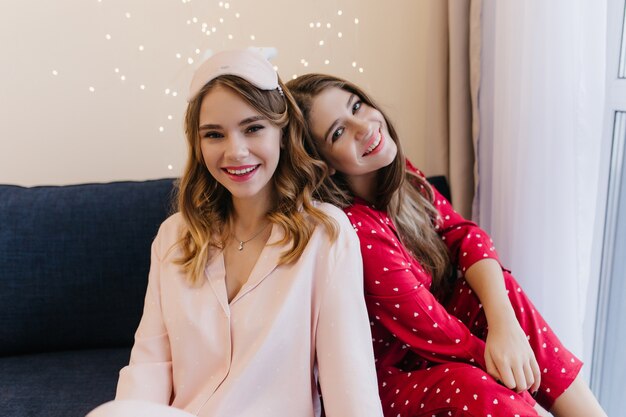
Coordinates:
(73, 271)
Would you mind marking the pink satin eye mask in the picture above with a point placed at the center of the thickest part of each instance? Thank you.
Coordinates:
(245, 63)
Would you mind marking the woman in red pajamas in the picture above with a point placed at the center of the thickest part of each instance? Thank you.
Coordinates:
(453, 333)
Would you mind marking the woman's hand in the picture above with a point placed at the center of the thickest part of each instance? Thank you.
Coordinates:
(508, 355)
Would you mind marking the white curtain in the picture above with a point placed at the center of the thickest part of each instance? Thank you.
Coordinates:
(541, 108)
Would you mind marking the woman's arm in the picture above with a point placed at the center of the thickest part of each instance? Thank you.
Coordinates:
(345, 356)
(149, 374)
(508, 355)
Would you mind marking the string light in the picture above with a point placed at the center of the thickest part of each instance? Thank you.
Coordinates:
(230, 36)
(208, 30)
(55, 72)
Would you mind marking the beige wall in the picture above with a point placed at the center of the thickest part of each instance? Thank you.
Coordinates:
(54, 130)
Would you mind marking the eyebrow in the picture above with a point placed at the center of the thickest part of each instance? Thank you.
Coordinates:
(242, 123)
(348, 104)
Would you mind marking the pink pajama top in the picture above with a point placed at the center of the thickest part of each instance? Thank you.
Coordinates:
(262, 354)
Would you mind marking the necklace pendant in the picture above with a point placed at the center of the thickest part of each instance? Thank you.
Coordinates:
(240, 248)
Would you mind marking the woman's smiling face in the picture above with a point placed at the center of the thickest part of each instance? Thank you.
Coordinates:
(240, 146)
(352, 136)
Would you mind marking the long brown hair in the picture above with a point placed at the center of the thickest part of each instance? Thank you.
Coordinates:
(407, 197)
(206, 205)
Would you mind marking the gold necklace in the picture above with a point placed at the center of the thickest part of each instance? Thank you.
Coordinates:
(242, 242)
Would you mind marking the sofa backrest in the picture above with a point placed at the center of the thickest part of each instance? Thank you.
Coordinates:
(74, 263)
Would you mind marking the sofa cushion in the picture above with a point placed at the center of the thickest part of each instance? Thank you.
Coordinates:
(59, 384)
(74, 262)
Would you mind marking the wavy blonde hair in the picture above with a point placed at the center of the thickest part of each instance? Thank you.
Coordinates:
(407, 197)
(206, 205)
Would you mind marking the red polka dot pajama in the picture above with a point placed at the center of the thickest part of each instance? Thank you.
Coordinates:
(429, 356)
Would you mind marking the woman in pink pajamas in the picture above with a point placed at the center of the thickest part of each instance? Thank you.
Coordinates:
(453, 333)
(254, 303)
